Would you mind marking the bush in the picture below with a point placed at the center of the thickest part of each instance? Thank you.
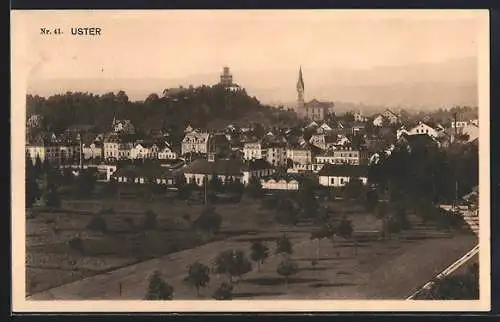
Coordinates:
(76, 243)
(158, 289)
(107, 211)
(97, 223)
(150, 220)
(224, 292)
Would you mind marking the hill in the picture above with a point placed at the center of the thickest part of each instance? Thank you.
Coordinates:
(203, 107)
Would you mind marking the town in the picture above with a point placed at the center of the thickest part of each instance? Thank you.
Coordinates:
(181, 181)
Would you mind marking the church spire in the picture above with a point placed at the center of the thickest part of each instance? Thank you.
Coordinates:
(300, 90)
(300, 82)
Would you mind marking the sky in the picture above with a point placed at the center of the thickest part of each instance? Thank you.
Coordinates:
(176, 44)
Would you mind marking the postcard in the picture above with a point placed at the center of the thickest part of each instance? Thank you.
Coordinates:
(250, 160)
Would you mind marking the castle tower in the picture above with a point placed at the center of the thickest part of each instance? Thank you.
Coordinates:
(300, 91)
(226, 79)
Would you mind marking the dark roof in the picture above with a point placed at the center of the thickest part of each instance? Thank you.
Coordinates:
(221, 166)
(42, 139)
(284, 176)
(345, 170)
(418, 139)
(259, 164)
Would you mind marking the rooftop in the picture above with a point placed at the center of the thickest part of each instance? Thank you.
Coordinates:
(345, 170)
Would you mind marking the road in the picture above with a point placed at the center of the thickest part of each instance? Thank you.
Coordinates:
(448, 271)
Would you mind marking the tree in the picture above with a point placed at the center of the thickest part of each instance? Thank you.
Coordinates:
(344, 228)
(232, 263)
(216, 183)
(254, 188)
(209, 221)
(97, 223)
(235, 187)
(150, 220)
(326, 231)
(259, 253)
(76, 243)
(84, 183)
(353, 189)
(284, 245)
(371, 199)
(158, 289)
(287, 268)
(52, 198)
(382, 212)
(38, 165)
(286, 212)
(31, 185)
(46, 166)
(198, 276)
(224, 292)
(307, 199)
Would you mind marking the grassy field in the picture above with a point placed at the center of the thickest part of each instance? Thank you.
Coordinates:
(125, 242)
(376, 269)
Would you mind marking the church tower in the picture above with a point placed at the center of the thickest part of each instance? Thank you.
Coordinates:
(300, 91)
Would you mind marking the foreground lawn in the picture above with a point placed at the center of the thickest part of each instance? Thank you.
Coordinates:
(374, 269)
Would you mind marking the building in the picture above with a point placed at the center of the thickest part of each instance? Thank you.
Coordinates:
(145, 174)
(93, 151)
(44, 146)
(388, 116)
(195, 142)
(418, 141)
(252, 150)
(144, 150)
(344, 156)
(358, 117)
(123, 126)
(226, 78)
(125, 150)
(318, 111)
(219, 144)
(166, 153)
(471, 131)
(323, 141)
(299, 155)
(225, 169)
(458, 124)
(34, 121)
(288, 184)
(110, 145)
(275, 154)
(422, 128)
(256, 169)
(332, 175)
(313, 110)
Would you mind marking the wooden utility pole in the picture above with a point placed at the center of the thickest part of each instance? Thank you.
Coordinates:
(205, 183)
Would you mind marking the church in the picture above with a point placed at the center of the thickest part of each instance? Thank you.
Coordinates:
(314, 110)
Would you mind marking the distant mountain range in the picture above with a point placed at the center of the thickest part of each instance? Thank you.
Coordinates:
(421, 86)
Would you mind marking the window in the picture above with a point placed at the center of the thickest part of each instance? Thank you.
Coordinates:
(341, 180)
(332, 181)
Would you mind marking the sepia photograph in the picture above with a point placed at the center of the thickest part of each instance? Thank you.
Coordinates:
(262, 160)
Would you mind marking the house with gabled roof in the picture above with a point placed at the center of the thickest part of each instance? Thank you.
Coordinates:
(334, 175)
